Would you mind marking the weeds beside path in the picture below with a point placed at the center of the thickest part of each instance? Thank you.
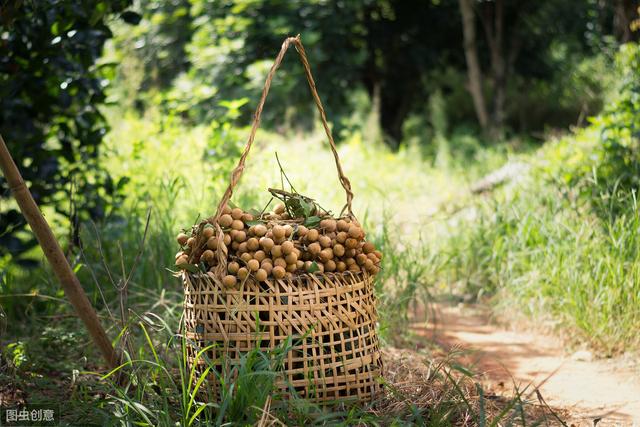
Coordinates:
(589, 389)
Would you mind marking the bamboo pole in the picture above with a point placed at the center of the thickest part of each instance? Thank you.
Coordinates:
(52, 250)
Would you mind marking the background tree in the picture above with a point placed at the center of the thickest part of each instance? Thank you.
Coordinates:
(50, 93)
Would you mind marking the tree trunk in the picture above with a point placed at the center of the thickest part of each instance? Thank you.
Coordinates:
(474, 72)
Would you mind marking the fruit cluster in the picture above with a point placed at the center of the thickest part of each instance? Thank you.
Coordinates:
(276, 245)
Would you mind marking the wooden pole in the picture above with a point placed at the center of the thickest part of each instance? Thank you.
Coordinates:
(54, 254)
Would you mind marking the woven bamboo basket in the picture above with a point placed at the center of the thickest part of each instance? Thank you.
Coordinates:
(330, 318)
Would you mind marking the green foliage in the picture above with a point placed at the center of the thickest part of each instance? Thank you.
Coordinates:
(50, 92)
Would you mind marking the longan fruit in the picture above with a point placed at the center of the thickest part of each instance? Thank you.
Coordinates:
(341, 266)
(276, 251)
(179, 254)
(342, 225)
(227, 239)
(302, 230)
(225, 221)
(266, 244)
(246, 217)
(243, 272)
(378, 255)
(235, 246)
(287, 247)
(251, 232)
(291, 258)
(182, 239)
(373, 258)
(330, 266)
(288, 230)
(229, 281)
(279, 209)
(266, 261)
(212, 242)
(331, 235)
(226, 209)
(246, 257)
(341, 237)
(237, 225)
(253, 244)
(182, 260)
(308, 265)
(261, 275)
(242, 248)
(361, 259)
(338, 250)
(326, 254)
(354, 231)
(233, 267)
(208, 256)
(191, 241)
(284, 215)
(291, 268)
(351, 253)
(368, 265)
(349, 261)
(375, 270)
(320, 267)
(260, 230)
(328, 224)
(354, 268)
(266, 267)
(300, 264)
(314, 248)
(253, 264)
(207, 232)
(368, 247)
(280, 262)
(240, 236)
(278, 272)
(325, 241)
(278, 231)
(259, 255)
(351, 243)
(312, 235)
(236, 213)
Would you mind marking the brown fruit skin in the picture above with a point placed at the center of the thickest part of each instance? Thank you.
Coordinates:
(292, 258)
(341, 266)
(246, 257)
(378, 255)
(225, 221)
(351, 253)
(320, 267)
(342, 237)
(242, 248)
(191, 241)
(368, 265)
(237, 225)
(279, 209)
(291, 268)
(240, 236)
(338, 250)
(368, 247)
(259, 255)
(261, 275)
(276, 251)
(182, 260)
(235, 246)
(179, 254)
(253, 244)
(207, 232)
(212, 243)
(342, 225)
(266, 267)
(287, 247)
(330, 266)
(278, 231)
(229, 281)
(246, 217)
(278, 272)
(300, 264)
(308, 265)
(354, 231)
(227, 239)
(329, 225)
(243, 272)
(280, 262)
(288, 230)
(314, 248)
(361, 259)
(302, 231)
(208, 256)
(253, 265)
(260, 230)
(349, 261)
(182, 239)
(354, 268)
(267, 244)
(226, 209)
(351, 243)
(236, 213)
(233, 267)
(325, 241)
(326, 254)
(312, 235)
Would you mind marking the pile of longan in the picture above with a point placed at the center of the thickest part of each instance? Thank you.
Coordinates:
(277, 246)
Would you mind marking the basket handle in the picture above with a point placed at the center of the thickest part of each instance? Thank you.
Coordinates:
(237, 172)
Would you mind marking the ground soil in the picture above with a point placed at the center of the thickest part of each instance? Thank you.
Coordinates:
(602, 392)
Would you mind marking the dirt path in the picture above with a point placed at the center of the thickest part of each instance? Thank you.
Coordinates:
(589, 389)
